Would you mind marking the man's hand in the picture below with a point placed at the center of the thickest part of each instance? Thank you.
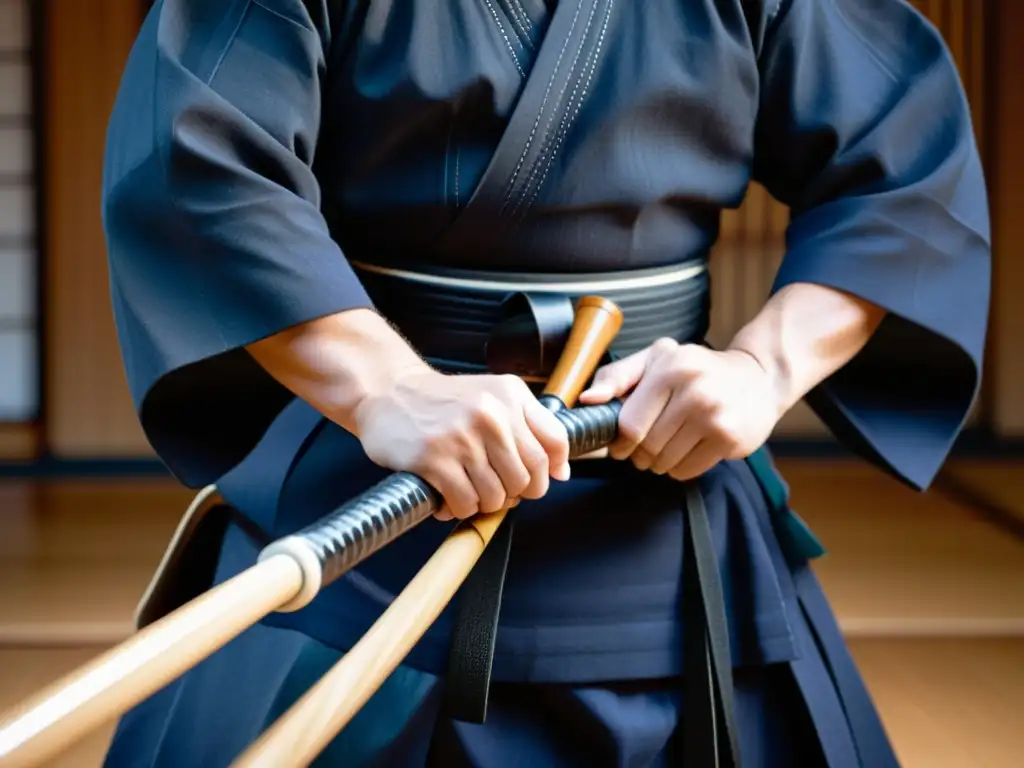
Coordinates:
(686, 407)
(484, 442)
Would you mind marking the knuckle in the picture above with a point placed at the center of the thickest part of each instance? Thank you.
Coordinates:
(452, 443)
(460, 500)
(727, 434)
(706, 400)
(681, 366)
(463, 505)
(512, 387)
(492, 500)
(629, 431)
(536, 489)
(665, 345)
(734, 449)
(485, 411)
(534, 460)
(518, 485)
(435, 444)
(427, 460)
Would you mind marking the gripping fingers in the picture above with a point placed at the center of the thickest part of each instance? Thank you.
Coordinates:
(640, 412)
(488, 486)
(702, 457)
(503, 457)
(454, 485)
(550, 435)
(678, 448)
(534, 459)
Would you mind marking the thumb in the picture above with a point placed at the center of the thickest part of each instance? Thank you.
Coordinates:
(616, 379)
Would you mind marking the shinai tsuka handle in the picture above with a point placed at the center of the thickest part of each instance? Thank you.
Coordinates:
(338, 542)
(344, 538)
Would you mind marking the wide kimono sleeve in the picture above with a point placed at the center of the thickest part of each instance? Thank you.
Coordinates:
(212, 217)
(865, 133)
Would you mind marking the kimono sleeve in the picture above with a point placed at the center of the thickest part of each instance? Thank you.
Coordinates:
(211, 212)
(865, 132)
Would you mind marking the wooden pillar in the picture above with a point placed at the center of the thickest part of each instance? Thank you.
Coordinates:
(88, 410)
(1005, 378)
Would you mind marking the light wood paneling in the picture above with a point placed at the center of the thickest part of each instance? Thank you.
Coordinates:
(89, 411)
(948, 703)
(903, 563)
(75, 556)
(23, 671)
(19, 441)
(1000, 483)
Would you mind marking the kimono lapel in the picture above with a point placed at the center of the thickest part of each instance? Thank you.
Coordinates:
(555, 88)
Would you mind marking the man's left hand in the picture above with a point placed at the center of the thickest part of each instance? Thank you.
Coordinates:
(686, 407)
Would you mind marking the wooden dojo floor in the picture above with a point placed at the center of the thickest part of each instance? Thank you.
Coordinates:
(929, 592)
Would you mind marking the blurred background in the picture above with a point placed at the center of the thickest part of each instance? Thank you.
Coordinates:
(929, 588)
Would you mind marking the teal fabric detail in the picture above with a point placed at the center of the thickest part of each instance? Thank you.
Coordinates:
(796, 538)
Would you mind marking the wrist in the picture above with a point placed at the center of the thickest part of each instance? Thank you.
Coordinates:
(335, 363)
(803, 335)
(776, 371)
(384, 388)
(372, 362)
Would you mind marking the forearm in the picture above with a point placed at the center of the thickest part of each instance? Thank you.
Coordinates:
(804, 334)
(334, 362)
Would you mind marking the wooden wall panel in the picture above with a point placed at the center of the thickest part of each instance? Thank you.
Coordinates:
(753, 238)
(88, 408)
(19, 441)
(1006, 182)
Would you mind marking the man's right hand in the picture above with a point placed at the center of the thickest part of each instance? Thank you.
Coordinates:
(482, 441)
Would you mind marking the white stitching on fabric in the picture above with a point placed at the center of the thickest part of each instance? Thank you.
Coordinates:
(567, 121)
(555, 112)
(522, 22)
(540, 111)
(504, 35)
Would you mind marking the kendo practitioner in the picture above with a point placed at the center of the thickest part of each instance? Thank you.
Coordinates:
(317, 210)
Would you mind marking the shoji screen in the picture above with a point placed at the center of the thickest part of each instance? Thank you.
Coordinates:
(19, 358)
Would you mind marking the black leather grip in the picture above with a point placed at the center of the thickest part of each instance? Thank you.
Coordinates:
(370, 521)
(344, 538)
(590, 427)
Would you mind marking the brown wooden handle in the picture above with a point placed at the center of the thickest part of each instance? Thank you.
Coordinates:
(598, 320)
